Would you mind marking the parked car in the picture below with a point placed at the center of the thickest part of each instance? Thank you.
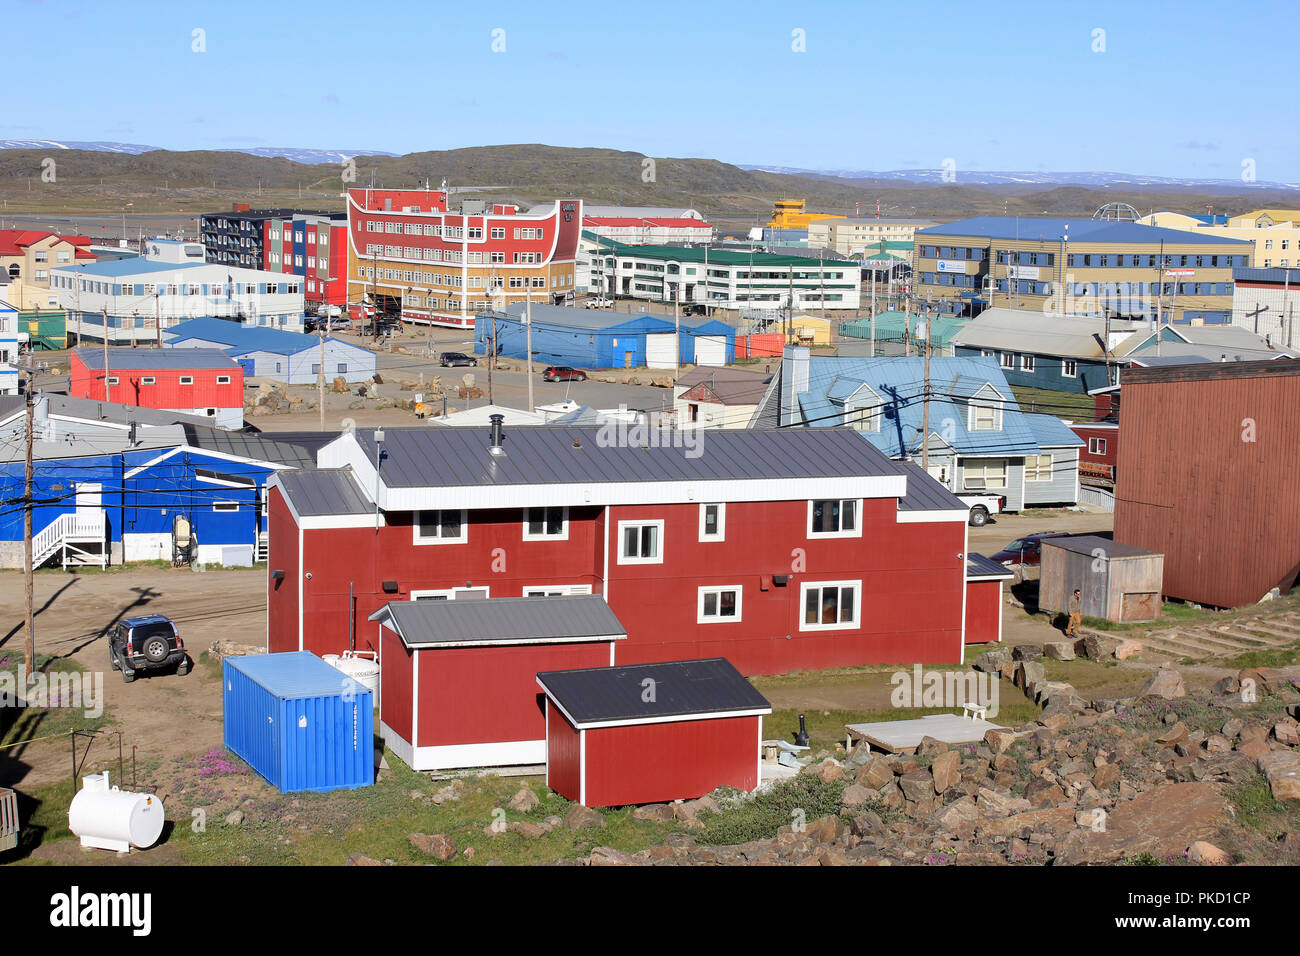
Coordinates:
(453, 359)
(981, 506)
(147, 643)
(564, 373)
(599, 302)
(1025, 554)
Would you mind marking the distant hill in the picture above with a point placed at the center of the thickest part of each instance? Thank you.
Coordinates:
(107, 180)
(298, 155)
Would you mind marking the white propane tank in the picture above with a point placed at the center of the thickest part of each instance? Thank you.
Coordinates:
(110, 818)
(365, 672)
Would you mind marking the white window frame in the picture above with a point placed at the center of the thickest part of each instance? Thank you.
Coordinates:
(112, 380)
(449, 593)
(853, 625)
(225, 507)
(1038, 467)
(419, 539)
(223, 379)
(186, 380)
(564, 525)
(1096, 446)
(148, 380)
(722, 521)
(555, 590)
(857, 520)
(1027, 363)
(983, 464)
(641, 523)
(1007, 360)
(718, 589)
(1069, 368)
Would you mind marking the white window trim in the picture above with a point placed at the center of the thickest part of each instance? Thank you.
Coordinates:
(223, 379)
(1051, 464)
(112, 380)
(702, 618)
(562, 536)
(639, 523)
(148, 380)
(448, 593)
(562, 589)
(854, 625)
(857, 520)
(464, 529)
(225, 507)
(722, 521)
(1096, 446)
(1065, 365)
(983, 464)
(187, 380)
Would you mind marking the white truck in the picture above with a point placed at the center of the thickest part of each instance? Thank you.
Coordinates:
(981, 506)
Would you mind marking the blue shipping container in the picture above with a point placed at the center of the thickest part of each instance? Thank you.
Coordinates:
(298, 722)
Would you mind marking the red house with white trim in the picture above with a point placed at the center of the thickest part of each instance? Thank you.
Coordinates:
(203, 382)
(651, 733)
(458, 678)
(780, 549)
(984, 578)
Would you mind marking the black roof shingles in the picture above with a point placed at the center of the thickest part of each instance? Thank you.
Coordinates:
(695, 688)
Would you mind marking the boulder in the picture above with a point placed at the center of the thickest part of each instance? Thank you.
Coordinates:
(581, 818)
(437, 845)
(1026, 652)
(530, 829)
(1107, 776)
(523, 801)
(1059, 650)
(858, 756)
(866, 823)
(991, 661)
(1029, 673)
(360, 859)
(960, 813)
(855, 795)
(1282, 768)
(917, 786)
(929, 746)
(654, 812)
(1172, 735)
(875, 774)
(1207, 854)
(1162, 822)
(828, 771)
(1164, 683)
(946, 771)
(999, 740)
(1287, 733)
(1097, 648)
(608, 856)
(1126, 649)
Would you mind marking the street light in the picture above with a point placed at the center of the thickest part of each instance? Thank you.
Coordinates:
(379, 455)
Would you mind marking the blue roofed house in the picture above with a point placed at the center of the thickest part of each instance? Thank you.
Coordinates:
(110, 481)
(979, 439)
(289, 357)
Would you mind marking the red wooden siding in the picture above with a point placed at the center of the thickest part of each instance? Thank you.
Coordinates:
(474, 695)
(563, 755)
(396, 666)
(1207, 476)
(656, 763)
(911, 600)
(983, 612)
(282, 596)
(165, 392)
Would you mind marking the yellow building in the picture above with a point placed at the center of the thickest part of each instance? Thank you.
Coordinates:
(810, 330)
(789, 214)
(1275, 233)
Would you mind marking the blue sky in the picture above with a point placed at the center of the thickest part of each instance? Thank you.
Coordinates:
(1181, 89)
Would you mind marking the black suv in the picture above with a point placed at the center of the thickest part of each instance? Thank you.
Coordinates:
(453, 359)
(146, 644)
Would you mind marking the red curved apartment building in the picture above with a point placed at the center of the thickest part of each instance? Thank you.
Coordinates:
(411, 255)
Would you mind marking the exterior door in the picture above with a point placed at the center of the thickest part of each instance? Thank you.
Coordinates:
(661, 350)
(711, 350)
(89, 498)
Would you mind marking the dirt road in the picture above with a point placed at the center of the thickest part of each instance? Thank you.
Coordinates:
(164, 715)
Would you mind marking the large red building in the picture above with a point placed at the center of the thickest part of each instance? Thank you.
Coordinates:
(779, 549)
(1207, 476)
(411, 255)
(203, 382)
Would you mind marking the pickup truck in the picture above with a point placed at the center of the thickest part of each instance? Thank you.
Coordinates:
(981, 506)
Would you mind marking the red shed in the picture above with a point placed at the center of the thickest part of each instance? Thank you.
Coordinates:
(203, 382)
(984, 578)
(458, 678)
(651, 733)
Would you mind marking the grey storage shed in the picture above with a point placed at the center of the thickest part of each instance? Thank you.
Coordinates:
(1117, 581)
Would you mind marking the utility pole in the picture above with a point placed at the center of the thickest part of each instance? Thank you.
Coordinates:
(105, 317)
(528, 344)
(157, 321)
(677, 332)
(28, 582)
(925, 406)
(907, 319)
(320, 376)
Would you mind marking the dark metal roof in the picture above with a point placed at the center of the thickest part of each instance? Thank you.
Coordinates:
(502, 621)
(1092, 544)
(458, 457)
(131, 359)
(331, 491)
(731, 386)
(1211, 371)
(90, 409)
(924, 493)
(245, 445)
(10, 404)
(680, 689)
(1279, 276)
(978, 566)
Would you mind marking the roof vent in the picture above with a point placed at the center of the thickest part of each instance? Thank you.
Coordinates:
(497, 421)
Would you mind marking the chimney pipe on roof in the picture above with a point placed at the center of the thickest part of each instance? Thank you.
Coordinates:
(497, 420)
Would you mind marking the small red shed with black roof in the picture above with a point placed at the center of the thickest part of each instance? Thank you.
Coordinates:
(984, 578)
(651, 733)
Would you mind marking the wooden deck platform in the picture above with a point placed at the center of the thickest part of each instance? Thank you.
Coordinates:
(900, 736)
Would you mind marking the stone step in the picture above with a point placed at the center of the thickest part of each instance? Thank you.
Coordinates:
(1167, 647)
(1199, 642)
(1275, 628)
(1259, 640)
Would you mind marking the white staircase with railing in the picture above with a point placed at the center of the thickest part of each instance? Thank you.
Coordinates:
(78, 538)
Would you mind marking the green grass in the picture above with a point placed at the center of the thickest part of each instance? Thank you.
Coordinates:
(38, 720)
(1272, 657)
(797, 801)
